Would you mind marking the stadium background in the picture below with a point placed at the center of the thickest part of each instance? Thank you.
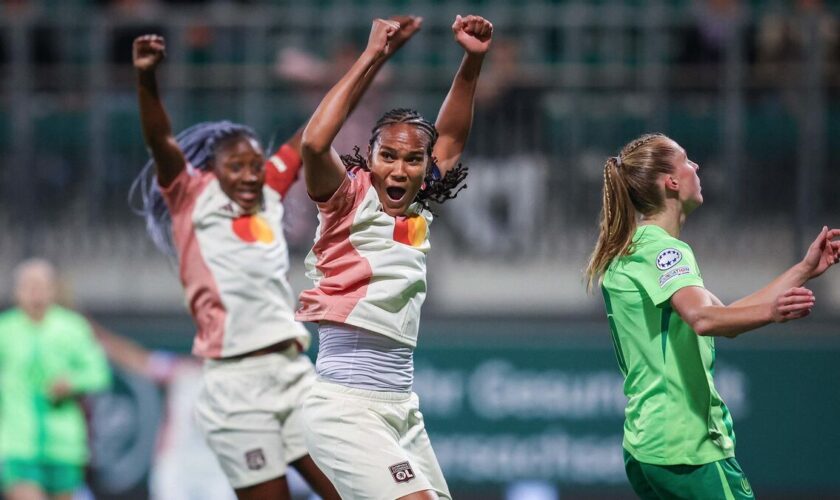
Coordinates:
(515, 370)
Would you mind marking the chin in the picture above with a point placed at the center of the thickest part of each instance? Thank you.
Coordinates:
(247, 205)
(394, 211)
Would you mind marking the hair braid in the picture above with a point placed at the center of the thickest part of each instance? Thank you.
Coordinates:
(629, 187)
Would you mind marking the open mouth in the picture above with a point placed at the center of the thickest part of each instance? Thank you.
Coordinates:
(395, 193)
(247, 195)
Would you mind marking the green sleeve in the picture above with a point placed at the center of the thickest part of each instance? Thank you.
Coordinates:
(666, 266)
(90, 371)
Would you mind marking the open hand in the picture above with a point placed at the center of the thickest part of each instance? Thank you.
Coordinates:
(794, 303)
(823, 253)
(148, 51)
(473, 33)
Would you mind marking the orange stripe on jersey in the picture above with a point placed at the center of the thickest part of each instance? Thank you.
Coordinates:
(252, 228)
(416, 230)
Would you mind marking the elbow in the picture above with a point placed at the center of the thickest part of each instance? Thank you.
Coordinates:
(312, 146)
(701, 324)
(703, 327)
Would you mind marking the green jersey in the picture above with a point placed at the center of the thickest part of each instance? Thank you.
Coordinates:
(32, 357)
(674, 414)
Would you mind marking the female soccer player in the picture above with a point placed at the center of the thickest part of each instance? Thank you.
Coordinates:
(678, 438)
(362, 423)
(214, 190)
(48, 360)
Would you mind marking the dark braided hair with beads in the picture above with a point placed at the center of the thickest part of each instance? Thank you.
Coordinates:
(435, 188)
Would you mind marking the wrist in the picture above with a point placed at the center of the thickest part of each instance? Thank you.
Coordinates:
(769, 313)
(370, 56)
(801, 273)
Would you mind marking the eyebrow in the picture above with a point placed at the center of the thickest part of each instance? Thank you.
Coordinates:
(394, 150)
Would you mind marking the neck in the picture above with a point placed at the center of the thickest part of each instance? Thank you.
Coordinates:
(671, 219)
(35, 316)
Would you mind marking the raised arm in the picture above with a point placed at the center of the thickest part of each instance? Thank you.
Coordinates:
(781, 300)
(323, 170)
(454, 120)
(148, 51)
(708, 317)
(408, 26)
(823, 253)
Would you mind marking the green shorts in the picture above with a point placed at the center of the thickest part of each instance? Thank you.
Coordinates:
(53, 478)
(721, 480)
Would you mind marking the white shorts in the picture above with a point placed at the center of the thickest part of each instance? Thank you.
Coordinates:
(249, 410)
(370, 444)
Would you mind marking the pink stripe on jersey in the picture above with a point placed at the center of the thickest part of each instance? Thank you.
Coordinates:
(345, 273)
(200, 287)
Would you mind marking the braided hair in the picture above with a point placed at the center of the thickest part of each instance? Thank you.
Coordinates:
(629, 188)
(435, 188)
(198, 144)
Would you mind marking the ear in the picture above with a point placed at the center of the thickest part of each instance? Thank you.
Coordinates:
(672, 183)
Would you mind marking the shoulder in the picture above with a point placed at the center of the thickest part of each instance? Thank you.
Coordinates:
(9, 316)
(659, 249)
(69, 318)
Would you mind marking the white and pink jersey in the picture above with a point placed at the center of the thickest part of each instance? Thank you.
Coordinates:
(368, 268)
(233, 264)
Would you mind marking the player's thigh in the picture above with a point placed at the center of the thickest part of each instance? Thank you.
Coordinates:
(236, 412)
(297, 380)
(274, 489)
(421, 495)
(23, 480)
(638, 481)
(61, 480)
(25, 491)
(416, 442)
(352, 435)
(719, 480)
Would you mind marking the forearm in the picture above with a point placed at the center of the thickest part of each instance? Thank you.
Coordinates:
(729, 321)
(334, 109)
(153, 117)
(157, 130)
(793, 277)
(295, 141)
(456, 114)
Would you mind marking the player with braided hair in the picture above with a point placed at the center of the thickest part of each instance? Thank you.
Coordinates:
(434, 188)
(211, 199)
(362, 423)
(678, 437)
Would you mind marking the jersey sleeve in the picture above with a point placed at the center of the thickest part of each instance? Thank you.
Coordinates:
(348, 194)
(182, 191)
(90, 372)
(282, 169)
(667, 266)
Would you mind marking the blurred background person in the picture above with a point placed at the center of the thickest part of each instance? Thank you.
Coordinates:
(48, 360)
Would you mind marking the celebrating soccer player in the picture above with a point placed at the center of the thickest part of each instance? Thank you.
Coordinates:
(362, 423)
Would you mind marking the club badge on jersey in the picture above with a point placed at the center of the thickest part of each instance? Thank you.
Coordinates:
(402, 472)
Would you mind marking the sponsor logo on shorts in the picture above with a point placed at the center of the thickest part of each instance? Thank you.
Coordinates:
(402, 472)
(673, 273)
(255, 459)
(668, 258)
